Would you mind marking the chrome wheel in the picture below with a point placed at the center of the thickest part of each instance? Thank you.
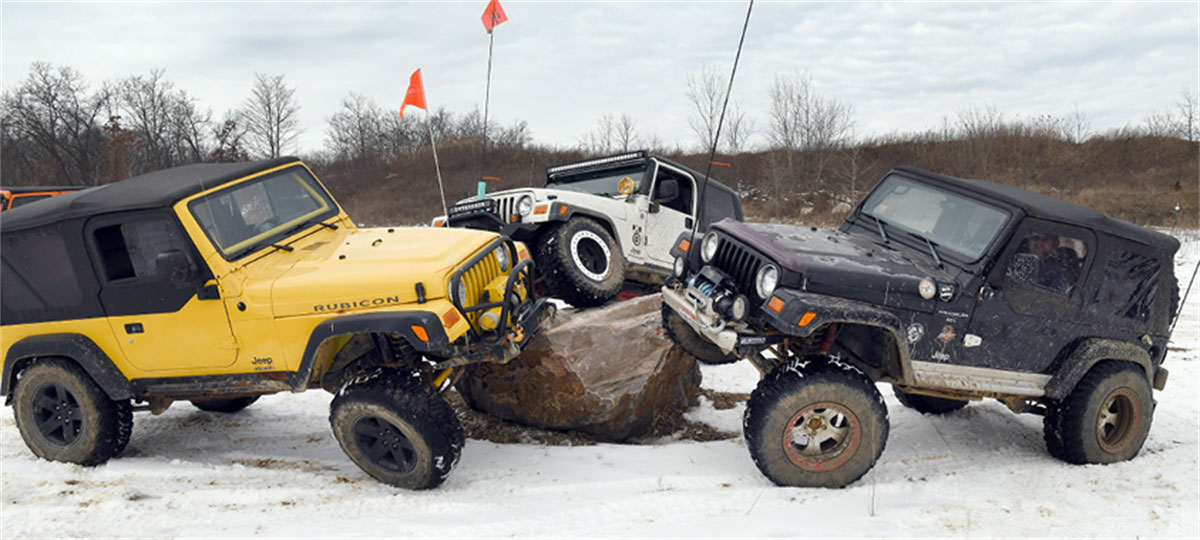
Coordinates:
(821, 437)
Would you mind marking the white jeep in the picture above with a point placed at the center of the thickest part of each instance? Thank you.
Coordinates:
(600, 222)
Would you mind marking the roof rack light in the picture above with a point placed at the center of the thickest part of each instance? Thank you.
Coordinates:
(629, 156)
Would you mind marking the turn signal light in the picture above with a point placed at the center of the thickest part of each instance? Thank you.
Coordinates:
(776, 304)
(807, 318)
(562, 210)
(451, 317)
(440, 222)
(684, 244)
(541, 209)
(420, 332)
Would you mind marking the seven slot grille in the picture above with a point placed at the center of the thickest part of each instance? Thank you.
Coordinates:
(739, 263)
(476, 279)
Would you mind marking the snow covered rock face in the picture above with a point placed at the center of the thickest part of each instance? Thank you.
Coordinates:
(609, 372)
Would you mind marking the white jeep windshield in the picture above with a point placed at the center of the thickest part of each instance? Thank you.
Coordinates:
(952, 222)
(599, 182)
(244, 217)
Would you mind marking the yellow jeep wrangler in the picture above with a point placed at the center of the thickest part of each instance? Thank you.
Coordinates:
(219, 283)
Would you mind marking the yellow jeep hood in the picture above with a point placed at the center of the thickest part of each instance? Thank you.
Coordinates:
(373, 268)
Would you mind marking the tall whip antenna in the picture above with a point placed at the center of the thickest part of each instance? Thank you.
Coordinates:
(487, 99)
(712, 155)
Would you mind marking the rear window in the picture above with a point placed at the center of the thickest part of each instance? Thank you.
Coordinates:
(37, 272)
(1131, 282)
(718, 205)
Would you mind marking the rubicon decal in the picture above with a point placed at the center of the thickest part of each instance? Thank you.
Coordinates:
(354, 304)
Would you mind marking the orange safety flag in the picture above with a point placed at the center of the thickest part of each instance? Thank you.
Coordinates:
(493, 15)
(415, 95)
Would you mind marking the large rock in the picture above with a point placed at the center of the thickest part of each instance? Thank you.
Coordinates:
(610, 372)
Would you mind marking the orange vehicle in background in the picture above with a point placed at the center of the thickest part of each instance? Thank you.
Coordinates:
(12, 197)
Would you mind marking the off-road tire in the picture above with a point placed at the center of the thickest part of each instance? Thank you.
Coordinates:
(225, 405)
(562, 250)
(928, 404)
(690, 341)
(93, 428)
(421, 437)
(800, 392)
(1052, 430)
(1105, 418)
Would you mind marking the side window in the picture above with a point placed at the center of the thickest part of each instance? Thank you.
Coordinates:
(130, 250)
(37, 271)
(1131, 281)
(1048, 260)
(681, 203)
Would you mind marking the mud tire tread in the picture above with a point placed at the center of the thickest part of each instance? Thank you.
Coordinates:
(1076, 414)
(563, 280)
(108, 423)
(408, 399)
(827, 376)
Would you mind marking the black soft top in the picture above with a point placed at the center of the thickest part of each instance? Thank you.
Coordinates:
(1052, 209)
(39, 189)
(152, 190)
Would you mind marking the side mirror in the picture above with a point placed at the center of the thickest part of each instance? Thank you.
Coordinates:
(174, 266)
(668, 190)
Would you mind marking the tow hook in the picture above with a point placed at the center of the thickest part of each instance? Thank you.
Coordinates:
(517, 334)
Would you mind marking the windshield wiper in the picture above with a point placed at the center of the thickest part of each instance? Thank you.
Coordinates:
(936, 260)
(879, 223)
(281, 247)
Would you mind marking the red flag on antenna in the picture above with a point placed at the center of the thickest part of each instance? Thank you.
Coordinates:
(415, 95)
(493, 15)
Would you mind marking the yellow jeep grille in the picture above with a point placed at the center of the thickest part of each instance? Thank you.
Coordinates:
(478, 277)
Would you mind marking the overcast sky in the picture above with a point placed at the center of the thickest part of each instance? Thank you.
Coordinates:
(560, 66)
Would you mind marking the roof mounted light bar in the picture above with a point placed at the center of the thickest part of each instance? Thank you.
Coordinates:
(593, 163)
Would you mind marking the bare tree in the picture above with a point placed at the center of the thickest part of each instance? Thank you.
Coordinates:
(737, 130)
(271, 116)
(1077, 128)
(169, 125)
(806, 127)
(356, 131)
(1189, 115)
(229, 137)
(601, 140)
(626, 137)
(704, 93)
(57, 120)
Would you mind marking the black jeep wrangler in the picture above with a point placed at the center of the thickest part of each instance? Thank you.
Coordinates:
(951, 290)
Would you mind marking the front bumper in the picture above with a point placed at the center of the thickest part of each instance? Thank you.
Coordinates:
(695, 308)
(521, 314)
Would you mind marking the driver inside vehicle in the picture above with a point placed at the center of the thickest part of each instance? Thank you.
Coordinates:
(1058, 267)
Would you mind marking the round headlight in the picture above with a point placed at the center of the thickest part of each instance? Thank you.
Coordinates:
(739, 308)
(708, 246)
(460, 294)
(502, 257)
(766, 280)
(525, 205)
(680, 266)
(927, 289)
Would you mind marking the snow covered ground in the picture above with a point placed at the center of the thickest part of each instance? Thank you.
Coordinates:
(275, 470)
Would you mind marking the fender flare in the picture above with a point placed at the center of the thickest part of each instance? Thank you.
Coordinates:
(841, 311)
(1087, 354)
(76, 347)
(573, 211)
(392, 322)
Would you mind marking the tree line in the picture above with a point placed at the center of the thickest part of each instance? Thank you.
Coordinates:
(55, 128)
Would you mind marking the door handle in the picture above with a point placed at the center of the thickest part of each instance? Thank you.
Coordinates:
(134, 328)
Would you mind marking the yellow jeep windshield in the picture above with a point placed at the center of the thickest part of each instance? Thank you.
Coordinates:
(245, 217)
